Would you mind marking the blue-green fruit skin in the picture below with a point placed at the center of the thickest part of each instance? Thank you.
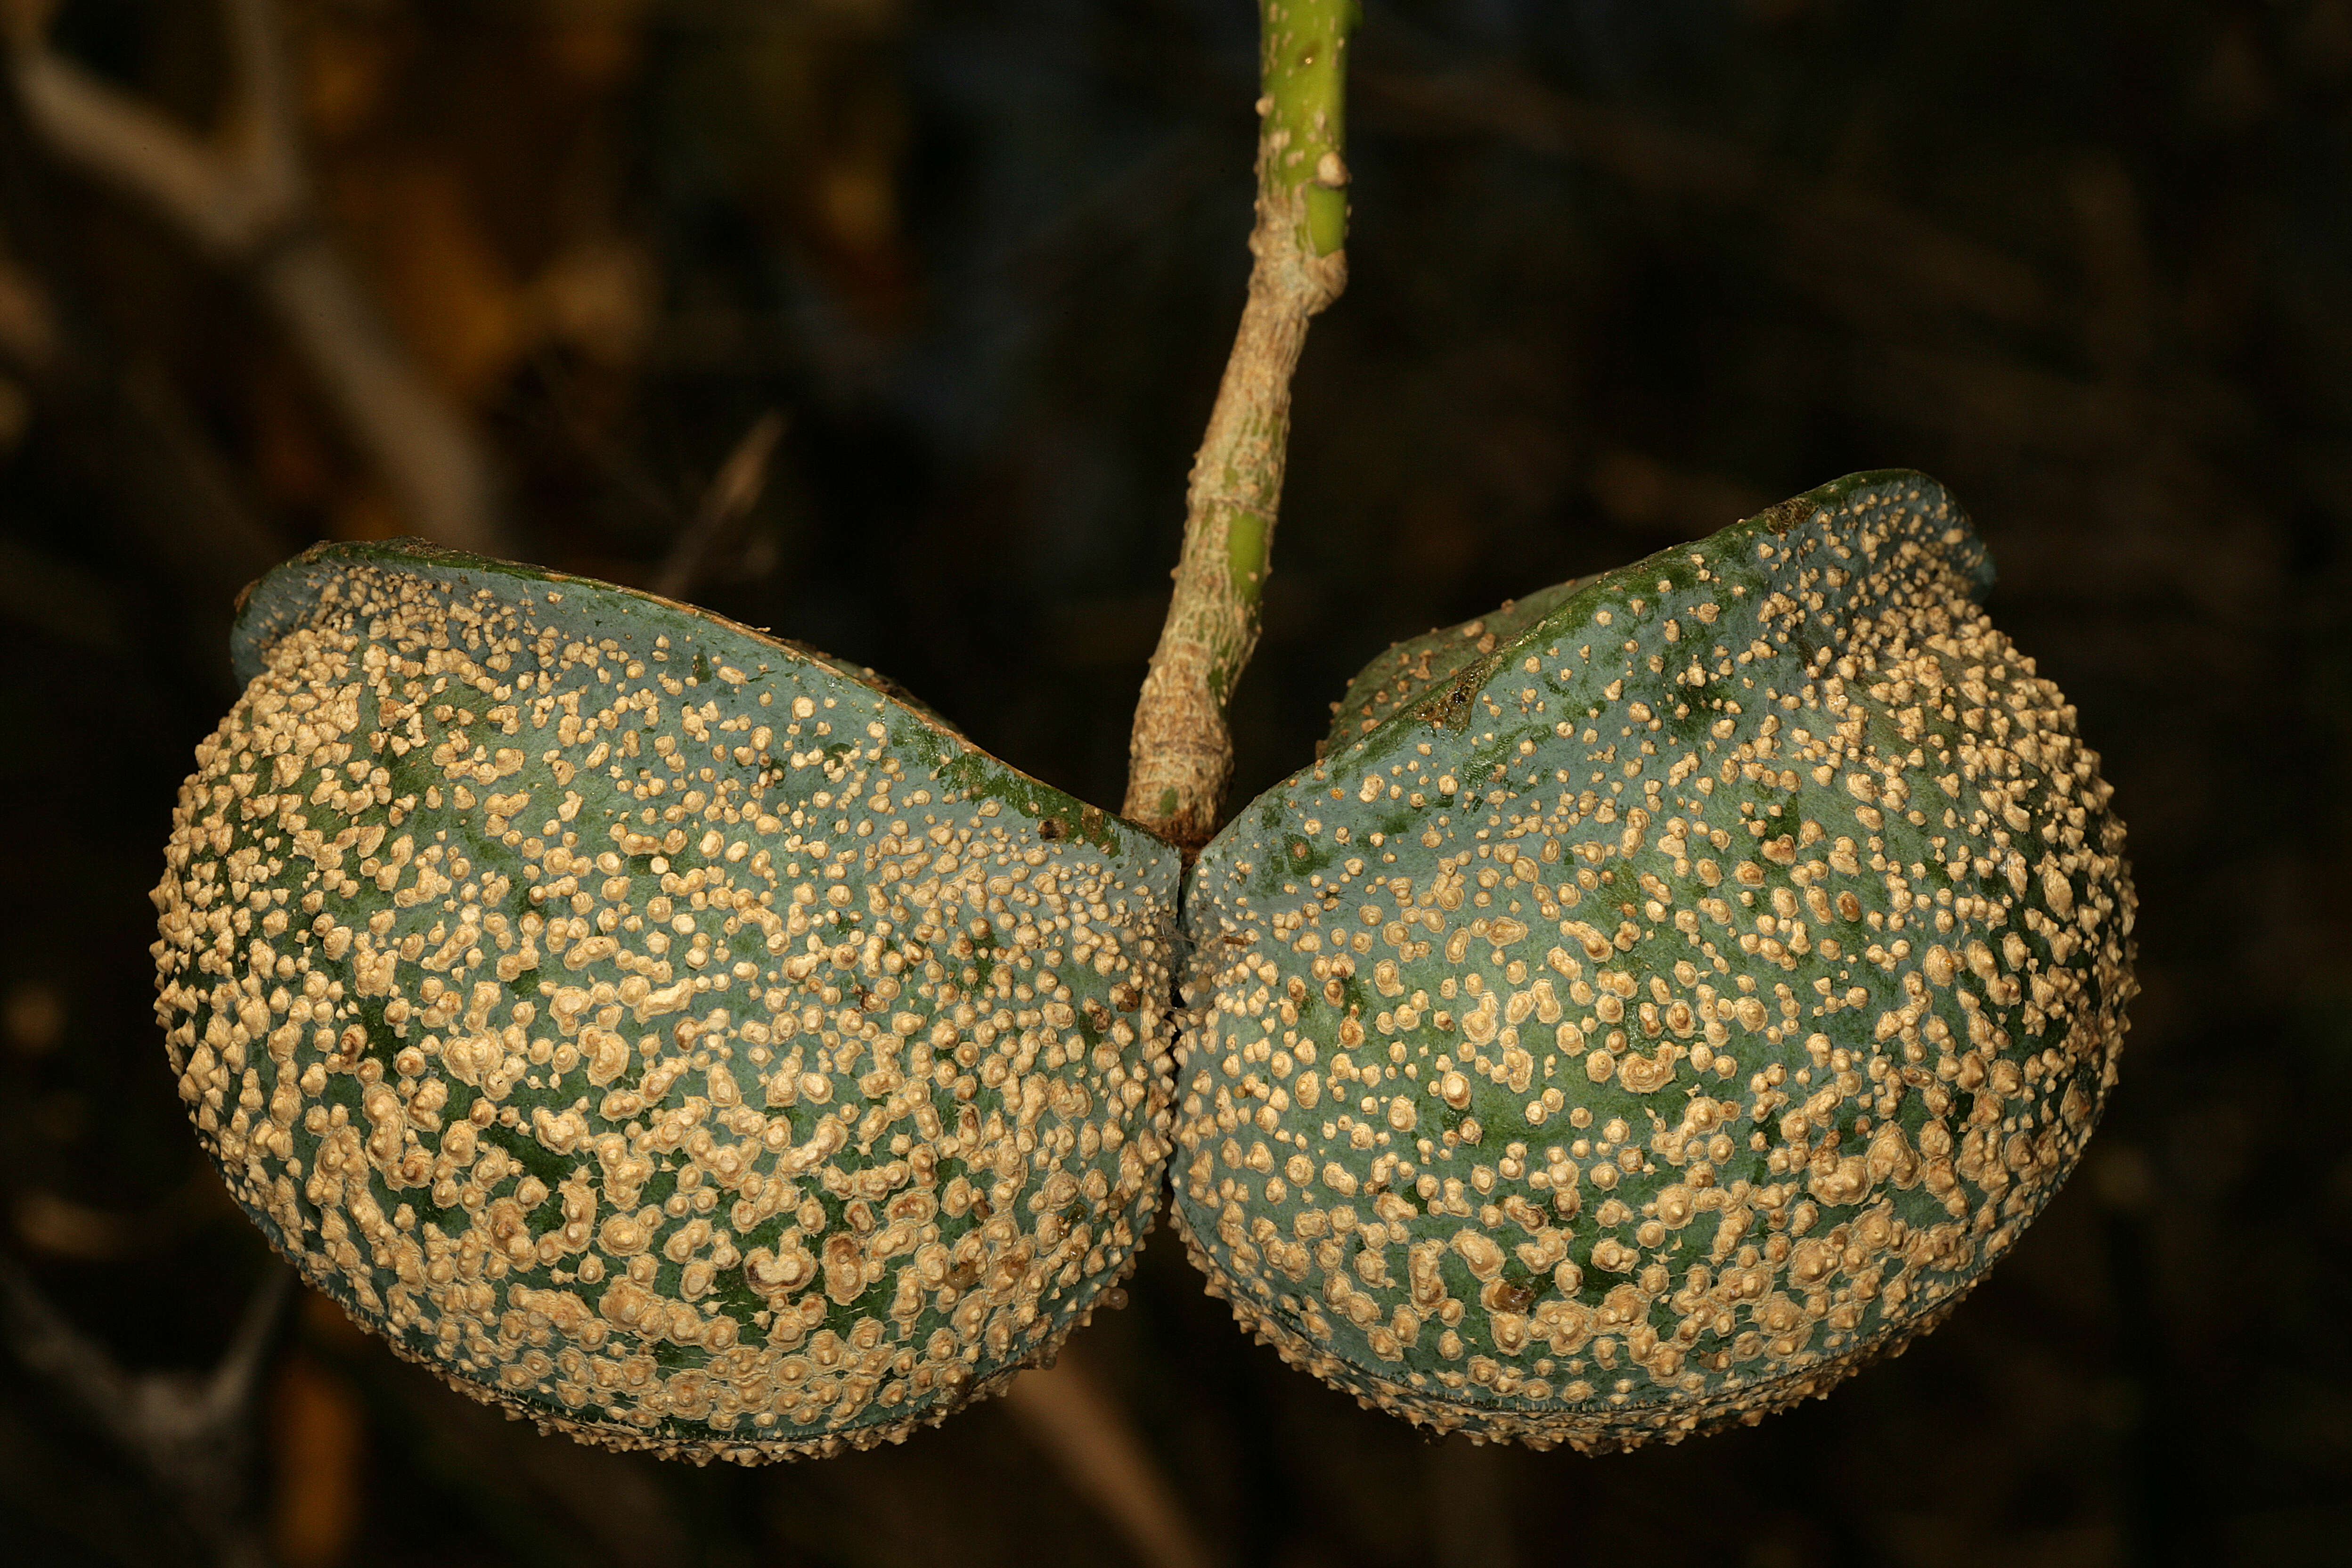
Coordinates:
(664, 1033)
(1661, 998)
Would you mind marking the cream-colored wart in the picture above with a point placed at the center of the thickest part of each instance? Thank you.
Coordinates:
(653, 1030)
(1652, 1031)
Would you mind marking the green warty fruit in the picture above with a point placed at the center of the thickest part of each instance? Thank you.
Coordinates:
(664, 1033)
(1664, 995)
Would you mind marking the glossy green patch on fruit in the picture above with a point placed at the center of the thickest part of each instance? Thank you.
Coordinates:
(1672, 997)
(657, 1029)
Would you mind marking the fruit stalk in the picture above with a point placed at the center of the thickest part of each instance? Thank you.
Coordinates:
(1181, 753)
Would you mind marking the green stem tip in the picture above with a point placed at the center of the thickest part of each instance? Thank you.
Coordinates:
(1303, 62)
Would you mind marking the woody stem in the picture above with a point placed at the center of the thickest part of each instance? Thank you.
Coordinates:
(1181, 753)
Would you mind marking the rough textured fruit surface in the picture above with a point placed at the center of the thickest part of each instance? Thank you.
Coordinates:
(1661, 998)
(657, 1029)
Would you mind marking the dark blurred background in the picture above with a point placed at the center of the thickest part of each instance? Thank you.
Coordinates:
(891, 324)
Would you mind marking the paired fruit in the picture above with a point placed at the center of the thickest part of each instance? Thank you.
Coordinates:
(1664, 995)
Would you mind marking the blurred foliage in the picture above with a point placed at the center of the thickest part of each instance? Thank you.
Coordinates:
(1621, 271)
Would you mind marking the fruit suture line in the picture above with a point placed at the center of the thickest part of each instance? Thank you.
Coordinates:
(1661, 997)
(657, 1030)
